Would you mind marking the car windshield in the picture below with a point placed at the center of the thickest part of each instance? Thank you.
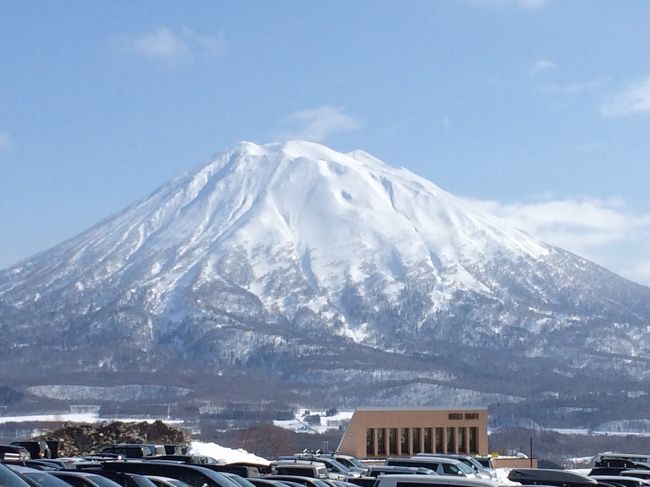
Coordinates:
(11, 479)
(452, 469)
(466, 469)
(334, 463)
(356, 462)
(477, 465)
(102, 481)
(240, 480)
(45, 479)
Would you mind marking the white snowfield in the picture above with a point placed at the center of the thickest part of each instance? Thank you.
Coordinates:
(225, 455)
(299, 424)
(330, 214)
(79, 418)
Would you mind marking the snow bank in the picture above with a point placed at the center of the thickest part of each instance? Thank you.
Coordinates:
(502, 477)
(225, 455)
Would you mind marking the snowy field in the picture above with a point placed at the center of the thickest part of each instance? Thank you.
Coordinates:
(79, 418)
(588, 432)
(299, 423)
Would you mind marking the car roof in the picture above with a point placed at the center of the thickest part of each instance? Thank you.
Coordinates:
(439, 479)
(426, 458)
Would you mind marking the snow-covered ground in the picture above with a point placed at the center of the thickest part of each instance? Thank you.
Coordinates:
(79, 418)
(502, 477)
(588, 432)
(225, 455)
(299, 423)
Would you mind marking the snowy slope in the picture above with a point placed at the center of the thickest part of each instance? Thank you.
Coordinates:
(270, 251)
(330, 215)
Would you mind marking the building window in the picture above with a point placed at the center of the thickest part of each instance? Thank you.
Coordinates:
(462, 441)
(473, 439)
(416, 441)
(392, 441)
(404, 441)
(451, 440)
(440, 446)
(427, 441)
(381, 441)
(370, 442)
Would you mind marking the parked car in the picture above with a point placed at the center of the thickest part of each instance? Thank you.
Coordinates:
(440, 465)
(37, 449)
(13, 452)
(174, 450)
(300, 480)
(641, 474)
(56, 447)
(545, 476)
(191, 459)
(470, 461)
(264, 482)
(622, 480)
(194, 475)
(130, 450)
(127, 479)
(35, 478)
(83, 479)
(363, 481)
(431, 480)
(301, 468)
(486, 461)
(348, 460)
(167, 481)
(377, 470)
(244, 471)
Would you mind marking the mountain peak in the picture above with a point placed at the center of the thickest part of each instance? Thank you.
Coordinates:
(295, 249)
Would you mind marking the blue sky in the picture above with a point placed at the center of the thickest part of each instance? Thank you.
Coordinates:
(538, 110)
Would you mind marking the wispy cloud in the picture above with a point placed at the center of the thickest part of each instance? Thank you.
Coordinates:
(318, 124)
(630, 101)
(171, 47)
(595, 229)
(571, 88)
(541, 66)
(5, 142)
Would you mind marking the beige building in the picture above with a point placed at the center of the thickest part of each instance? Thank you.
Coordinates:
(384, 432)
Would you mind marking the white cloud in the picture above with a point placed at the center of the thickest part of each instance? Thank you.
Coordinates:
(5, 141)
(632, 100)
(171, 47)
(541, 66)
(604, 231)
(318, 124)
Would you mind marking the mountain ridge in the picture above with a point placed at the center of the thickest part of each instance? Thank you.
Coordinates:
(271, 254)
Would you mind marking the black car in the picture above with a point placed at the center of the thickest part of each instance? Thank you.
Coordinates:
(83, 479)
(37, 449)
(9, 478)
(130, 450)
(128, 479)
(192, 474)
(13, 452)
(36, 478)
(167, 481)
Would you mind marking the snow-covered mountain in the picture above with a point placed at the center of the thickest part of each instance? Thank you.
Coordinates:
(323, 268)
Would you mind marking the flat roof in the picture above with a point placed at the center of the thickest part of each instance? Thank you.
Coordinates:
(479, 408)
